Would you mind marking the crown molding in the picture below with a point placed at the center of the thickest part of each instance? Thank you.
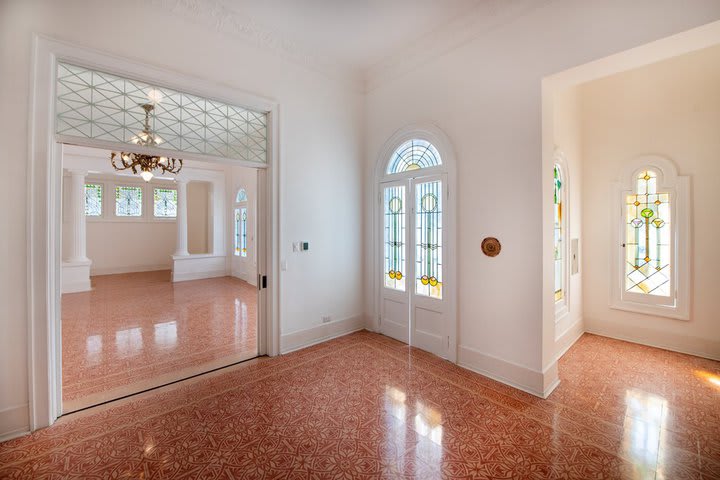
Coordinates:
(490, 14)
(217, 16)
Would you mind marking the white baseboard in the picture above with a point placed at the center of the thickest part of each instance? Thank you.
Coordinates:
(567, 339)
(320, 333)
(76, 287)
(182, 277)
(129, 269)
(689, 345)
(517, 376)
(14, 422)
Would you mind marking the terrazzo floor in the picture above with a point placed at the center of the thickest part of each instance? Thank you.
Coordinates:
(365, 406)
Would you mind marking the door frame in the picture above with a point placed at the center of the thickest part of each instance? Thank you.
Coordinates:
(44, 208)
(432, 133)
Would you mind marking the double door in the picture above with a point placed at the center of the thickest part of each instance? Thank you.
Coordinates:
(413, 292)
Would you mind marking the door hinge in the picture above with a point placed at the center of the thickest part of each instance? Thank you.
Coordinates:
(262, 281)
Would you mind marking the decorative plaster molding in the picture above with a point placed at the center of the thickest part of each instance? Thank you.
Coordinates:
(218, 16)
(489, 14)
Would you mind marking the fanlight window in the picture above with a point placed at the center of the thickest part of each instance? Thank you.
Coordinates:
(241, 196)
(559, 234)
(413, 155)
(648, 238)
(93, 199)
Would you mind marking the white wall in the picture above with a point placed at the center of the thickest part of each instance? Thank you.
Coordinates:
(670, 108)
(319, 145)
(568, 138)
(486, 95)
(197, 216)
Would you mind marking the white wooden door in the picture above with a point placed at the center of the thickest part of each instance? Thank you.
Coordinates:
(413, 299)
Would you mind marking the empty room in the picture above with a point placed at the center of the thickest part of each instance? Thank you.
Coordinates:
(321, 239)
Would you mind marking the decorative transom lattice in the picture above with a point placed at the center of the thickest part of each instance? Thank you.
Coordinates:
(414, 155)
(97, 105)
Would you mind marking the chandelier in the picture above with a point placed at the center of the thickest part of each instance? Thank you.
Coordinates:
(145, 163)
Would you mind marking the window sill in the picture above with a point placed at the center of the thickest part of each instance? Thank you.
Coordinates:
(655, 310)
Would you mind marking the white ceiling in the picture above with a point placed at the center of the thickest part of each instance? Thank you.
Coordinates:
(354, 34)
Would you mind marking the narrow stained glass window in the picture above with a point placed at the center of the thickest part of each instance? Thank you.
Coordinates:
(428, 235)
(648, 236)
(243, 232)
(236, 232)
(394, 237)
(559, 240)
(93, 199)
(165, 202)
(414, 155)
(128, 201)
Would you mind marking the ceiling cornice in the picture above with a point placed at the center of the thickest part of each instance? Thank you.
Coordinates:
(488, 15)
(215, 15)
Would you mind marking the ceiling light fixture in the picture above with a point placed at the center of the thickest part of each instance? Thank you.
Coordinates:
(146, 163)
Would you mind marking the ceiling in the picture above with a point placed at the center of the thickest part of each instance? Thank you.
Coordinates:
(354, 34)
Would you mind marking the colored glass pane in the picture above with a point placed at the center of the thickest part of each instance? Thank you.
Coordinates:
(648, 238)
(93, 199)
(243, 232)
(394, 237)
(414, 155)
(428, 237)
(241, 196)
(558, 233)
(128, 201)
(236, 232)
(165, 202)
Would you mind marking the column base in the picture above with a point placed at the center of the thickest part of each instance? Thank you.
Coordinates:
(198, 266)
(76, 276)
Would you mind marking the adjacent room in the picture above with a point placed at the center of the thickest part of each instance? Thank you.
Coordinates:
(313, 239)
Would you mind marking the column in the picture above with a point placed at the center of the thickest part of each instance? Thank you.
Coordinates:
(78, 252)
(182, 225)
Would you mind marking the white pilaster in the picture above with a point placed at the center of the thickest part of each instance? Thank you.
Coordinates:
(78, 251)
(181, 248)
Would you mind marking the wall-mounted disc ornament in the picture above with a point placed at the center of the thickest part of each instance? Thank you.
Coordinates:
(491, 246)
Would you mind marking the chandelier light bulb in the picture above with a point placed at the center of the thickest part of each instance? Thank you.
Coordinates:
(147, 176)
(155, 96)
(163, 161)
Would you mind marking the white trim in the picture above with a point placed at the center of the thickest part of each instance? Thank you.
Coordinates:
(517, 376)
(44, 202)
(433, 134)
(14, 420)
(677, 305)
(320, 333)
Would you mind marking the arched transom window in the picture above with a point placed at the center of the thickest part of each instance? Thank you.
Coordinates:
(241, 196)
(414, 154)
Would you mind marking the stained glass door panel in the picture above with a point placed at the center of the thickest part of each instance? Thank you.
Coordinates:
(395, 321)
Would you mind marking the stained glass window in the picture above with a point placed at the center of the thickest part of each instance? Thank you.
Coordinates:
(394, 237)
(559, 240)
(648, 237)
(240, 242)
(93, 199)
(241, 196)
(128, 201)
(428, 237)
(165, 202)
(414, 155)
(102, 106)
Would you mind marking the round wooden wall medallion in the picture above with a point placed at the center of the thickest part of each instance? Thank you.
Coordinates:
(491, 246)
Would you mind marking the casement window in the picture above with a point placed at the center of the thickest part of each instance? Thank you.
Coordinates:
(651, 267)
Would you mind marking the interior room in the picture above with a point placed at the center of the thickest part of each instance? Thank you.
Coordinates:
(319, 239)
(152, 291)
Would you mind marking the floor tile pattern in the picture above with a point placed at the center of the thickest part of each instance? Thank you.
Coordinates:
(365, 406)
(139, 330)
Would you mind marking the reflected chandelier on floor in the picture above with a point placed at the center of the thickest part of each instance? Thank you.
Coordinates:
(145, 163)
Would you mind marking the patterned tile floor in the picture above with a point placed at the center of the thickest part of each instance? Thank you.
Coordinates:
(364, 406)
(139, 330)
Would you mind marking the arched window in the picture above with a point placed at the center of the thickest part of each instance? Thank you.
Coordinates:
(240, 224)
(413, 155)
(652, 260)
(560, 257)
